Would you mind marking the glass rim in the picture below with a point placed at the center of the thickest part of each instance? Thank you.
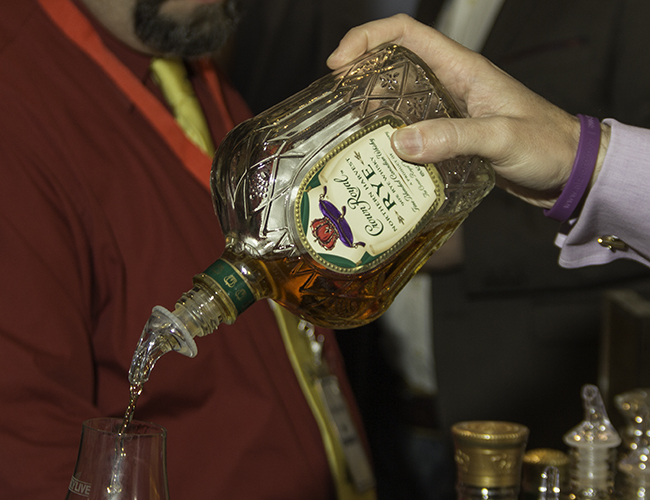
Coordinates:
(112, 425)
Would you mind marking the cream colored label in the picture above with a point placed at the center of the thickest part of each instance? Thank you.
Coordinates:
(361, 201)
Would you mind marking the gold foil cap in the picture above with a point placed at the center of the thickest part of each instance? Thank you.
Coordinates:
(489, 454)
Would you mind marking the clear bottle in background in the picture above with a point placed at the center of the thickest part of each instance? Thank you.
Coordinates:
(593, 447)
(633, 479)
(535, 463)
(318, 212)
(632, 404)
(488, 457)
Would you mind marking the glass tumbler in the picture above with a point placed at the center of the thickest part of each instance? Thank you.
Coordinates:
(114, 466)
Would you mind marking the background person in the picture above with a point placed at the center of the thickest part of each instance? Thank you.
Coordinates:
(104, 213)
(495, 298)
(505, 309)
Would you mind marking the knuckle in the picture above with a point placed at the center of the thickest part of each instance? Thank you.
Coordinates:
(440, 139)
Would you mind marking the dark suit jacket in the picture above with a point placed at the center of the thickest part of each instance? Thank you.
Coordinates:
(515, 335)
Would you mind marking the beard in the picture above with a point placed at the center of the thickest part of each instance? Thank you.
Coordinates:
(201, 32)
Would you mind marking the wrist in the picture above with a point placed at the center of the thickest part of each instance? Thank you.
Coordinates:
(590, 149)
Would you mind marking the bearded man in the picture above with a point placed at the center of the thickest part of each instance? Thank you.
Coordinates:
(104, 213)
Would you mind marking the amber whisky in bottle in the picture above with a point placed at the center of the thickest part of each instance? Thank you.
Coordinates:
(319, 213)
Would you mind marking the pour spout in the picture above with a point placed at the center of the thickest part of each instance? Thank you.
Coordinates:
(595, 412)
(595, 430)
(163, 332)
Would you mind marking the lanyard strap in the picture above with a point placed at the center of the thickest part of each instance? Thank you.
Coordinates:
(80, 31)
(346, 455)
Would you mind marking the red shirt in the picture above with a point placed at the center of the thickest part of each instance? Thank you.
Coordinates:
(99, 222)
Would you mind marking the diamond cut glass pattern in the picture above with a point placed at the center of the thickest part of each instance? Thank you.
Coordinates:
(261, 165)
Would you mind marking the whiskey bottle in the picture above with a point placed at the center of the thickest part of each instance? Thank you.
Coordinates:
(632, 405)
(488, 457)
(633, 478)
(592, 446)
(318, 212)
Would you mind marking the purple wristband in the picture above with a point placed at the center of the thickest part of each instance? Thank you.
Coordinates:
(582, 170)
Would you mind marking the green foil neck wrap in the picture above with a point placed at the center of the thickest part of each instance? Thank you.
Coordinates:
(232, 283)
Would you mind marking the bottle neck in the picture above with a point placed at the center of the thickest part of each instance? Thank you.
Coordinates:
(228, 282)
(221, 293)
(591, 472)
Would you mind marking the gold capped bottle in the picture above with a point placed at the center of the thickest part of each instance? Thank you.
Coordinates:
(488, 457)
(318, 212)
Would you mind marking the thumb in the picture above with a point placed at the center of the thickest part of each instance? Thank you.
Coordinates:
(445, 138)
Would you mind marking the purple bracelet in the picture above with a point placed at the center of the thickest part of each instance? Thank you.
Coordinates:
(581, 172)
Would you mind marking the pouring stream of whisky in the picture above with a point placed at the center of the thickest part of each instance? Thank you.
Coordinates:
(114, 489)
(151, 346)
(135, 390)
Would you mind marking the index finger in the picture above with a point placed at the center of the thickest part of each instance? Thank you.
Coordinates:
(361, 39)
(448, 59)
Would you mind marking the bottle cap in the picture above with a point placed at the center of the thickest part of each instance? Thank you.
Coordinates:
(489, 454)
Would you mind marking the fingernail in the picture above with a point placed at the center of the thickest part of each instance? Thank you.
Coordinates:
(408, 141)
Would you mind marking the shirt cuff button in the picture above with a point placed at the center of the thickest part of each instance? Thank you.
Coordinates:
(613, 243)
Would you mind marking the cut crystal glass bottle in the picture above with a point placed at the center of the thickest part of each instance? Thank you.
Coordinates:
(318, 212)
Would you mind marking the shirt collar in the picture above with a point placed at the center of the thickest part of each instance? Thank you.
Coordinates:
(137, 62)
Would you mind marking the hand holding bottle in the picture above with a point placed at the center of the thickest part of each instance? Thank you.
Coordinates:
(530, 142)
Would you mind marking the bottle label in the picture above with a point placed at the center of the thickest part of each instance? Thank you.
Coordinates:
(361, 202)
